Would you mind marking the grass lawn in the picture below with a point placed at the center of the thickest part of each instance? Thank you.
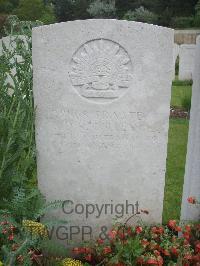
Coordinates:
(177, 148)
(179, 93)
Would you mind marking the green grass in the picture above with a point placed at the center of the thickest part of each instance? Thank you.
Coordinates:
(179, 94)
(178, 82)
(177, 147)
(176, 156)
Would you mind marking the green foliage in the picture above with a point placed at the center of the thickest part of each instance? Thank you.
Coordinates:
(129, 252)
(48, 16)
(197, 8)
(5, 6)
(35, 10)
(70, 10)
(196, 22)
(182, 22)
(17, 152)
(197, 15)
(26, 205)
(141, 14)
(102, 9)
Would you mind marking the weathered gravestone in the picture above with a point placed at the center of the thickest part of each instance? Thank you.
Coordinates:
(176, 54)
(192, 170)
(102, 96)
(186, 61)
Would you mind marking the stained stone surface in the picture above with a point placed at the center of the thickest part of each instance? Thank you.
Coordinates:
(192, 170)
(102, 96)
(186, 62)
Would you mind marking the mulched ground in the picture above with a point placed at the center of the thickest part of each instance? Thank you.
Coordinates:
(179, 113)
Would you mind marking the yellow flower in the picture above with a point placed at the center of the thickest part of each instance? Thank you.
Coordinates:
(71, 262)
(35, 228)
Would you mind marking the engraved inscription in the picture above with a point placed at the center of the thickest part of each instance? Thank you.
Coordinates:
(100, 130)
(101, 70)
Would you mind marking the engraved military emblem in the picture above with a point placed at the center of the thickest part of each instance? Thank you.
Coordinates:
(101, 70)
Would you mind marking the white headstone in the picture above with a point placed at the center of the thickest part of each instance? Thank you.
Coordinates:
(186, 61)
(102, 96)
(176, 54)
(192, 170)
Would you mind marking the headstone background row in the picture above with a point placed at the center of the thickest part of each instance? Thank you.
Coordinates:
(191, 186)
(186, 61)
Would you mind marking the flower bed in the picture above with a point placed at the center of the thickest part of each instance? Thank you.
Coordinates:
(145, 245)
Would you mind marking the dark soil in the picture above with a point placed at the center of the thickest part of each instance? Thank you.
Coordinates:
(176, 112)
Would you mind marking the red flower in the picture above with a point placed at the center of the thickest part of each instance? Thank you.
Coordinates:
(144, 242)
(165, 252)
(157, 230)
(4, 231)
(4, 223)
(140, 260)
(186, 235)
(178, 228)
(88, 257)
(152, 262)
(121, 235)
(12, 228)
(76, 251)
(107, 250)
(100, 241)
(157, 253)
(88, 250)
(188, 257)
(160, 261)
(188, 228)
(172, 224)
(174, 251)
(112, 234)
(138, 230)
(197, 247)
(82, 250)
(129, 231)
(11, 237)
(192, 200)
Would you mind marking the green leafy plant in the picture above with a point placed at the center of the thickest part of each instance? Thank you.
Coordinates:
(20, 200)
(17, 141)
(22, 235)
(35, 10)
(182, 22)
(141, 14)
(102, 9)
